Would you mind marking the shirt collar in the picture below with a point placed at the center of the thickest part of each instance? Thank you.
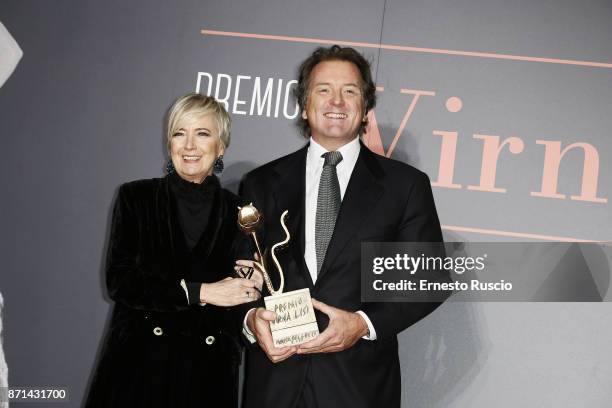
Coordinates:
(349, 151)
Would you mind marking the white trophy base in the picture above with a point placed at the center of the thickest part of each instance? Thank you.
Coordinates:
(295, 319)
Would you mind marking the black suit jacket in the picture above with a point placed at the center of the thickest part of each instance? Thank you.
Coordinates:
(385, 200)
(158, 350)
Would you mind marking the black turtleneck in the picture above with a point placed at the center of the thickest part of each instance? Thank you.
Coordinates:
(194, 203)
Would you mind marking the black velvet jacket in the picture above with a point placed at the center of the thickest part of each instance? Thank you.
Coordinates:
(160, 351)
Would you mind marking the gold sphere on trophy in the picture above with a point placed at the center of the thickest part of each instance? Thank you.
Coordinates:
(249, 219)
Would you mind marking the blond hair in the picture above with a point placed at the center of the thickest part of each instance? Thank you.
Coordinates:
(196, 105)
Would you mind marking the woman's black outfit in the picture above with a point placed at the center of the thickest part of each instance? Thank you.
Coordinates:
(162, 350)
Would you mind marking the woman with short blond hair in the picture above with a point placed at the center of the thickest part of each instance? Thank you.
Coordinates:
(172, 339)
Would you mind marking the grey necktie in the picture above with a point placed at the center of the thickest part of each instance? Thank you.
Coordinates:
(328, 205)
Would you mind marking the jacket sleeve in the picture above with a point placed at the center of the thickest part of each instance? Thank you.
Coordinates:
(419, 224)
(129, 281)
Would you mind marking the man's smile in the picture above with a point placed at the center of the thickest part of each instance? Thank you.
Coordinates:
(334, 115)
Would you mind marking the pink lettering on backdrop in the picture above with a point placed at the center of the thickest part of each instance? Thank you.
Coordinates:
(490, 154)
(372, 137)
(552, 160)
(448, 152)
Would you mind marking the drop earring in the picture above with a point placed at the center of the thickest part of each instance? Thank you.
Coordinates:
(169, 167)
(218, 166)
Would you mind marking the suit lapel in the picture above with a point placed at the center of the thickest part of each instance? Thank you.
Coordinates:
(362, 193)
(168, 211)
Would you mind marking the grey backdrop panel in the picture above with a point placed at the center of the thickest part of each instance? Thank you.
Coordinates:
(83, 113)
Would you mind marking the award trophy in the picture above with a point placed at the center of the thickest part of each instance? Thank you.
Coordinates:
(295, 319)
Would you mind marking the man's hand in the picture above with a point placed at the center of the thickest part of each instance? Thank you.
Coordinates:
(258, 322)
(344, 330)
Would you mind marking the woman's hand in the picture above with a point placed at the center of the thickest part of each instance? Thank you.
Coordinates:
(229, 292)
(249, 270)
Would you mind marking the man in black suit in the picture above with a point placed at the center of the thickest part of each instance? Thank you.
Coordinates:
(354, 361)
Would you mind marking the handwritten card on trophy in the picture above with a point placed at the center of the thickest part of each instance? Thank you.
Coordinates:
(295, 319)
